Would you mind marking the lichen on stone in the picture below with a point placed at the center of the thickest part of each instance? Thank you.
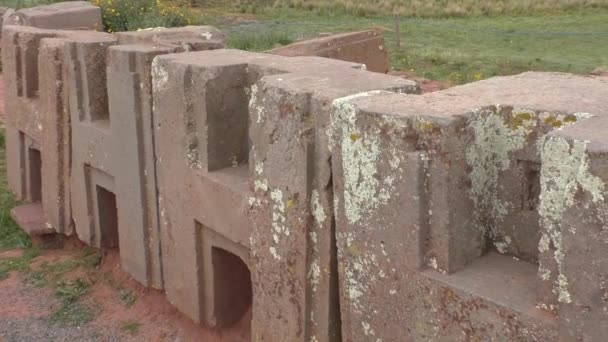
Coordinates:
(317, 209)
(258, 110)
(363, 192)
(495, 138)
(565, 170)
(160, 76)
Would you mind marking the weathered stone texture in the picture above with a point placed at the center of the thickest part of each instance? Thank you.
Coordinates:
(68, 15)
(365, 47)
(320, 201)
(37, 118)
(222, 169)
(112, 129)
(496, 156)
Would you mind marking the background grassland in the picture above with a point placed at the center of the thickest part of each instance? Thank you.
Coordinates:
(428, 8)
(457, 50)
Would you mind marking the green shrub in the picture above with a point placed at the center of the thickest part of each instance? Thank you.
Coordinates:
(131, 15)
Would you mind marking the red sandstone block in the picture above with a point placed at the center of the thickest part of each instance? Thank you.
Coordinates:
(366, 47)
(484, 144)
(218, 159)
(69, 15)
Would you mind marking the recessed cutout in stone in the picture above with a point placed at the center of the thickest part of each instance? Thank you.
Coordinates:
(34, 175)
(225, 288)
(108, 217)
(531, 184)
(232, 283)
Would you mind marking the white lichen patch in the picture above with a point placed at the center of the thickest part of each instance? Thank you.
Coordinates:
(193, 160)
(160, 75)
(317, 209)
(367, 329)
(257, 109)
(503, 246)
(395, 161)
(279, 227)
(360, 268)
(260, 184)
(259, 168)
(363, 192)
(565, 170)
(494, 141)
(314, 275)
(273, 252)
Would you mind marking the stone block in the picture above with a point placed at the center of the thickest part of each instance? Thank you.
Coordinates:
(243, 157)
(113, 176)
(498, 154)
(365, 47)
(68, 15)
(37, 118)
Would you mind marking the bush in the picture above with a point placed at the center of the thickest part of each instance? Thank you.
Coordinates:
(131, 15)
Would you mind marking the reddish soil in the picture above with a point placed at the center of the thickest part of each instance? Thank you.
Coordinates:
(26, 308)
(159, 318)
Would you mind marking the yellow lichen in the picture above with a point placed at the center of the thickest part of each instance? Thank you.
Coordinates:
(520, 119)
(552, 121)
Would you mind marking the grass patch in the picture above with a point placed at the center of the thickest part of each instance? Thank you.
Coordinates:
(74, 315)
(18, 264)
(71, 291)
(72, 311)
(131, 327)
(52, 273)
(257, 41)
(11, 235)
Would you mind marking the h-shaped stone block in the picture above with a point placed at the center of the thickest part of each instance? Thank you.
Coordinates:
(438, 199)
(37, 117)
(243, 137)
(113, 177)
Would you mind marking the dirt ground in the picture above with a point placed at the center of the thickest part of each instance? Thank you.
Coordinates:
(122, 309)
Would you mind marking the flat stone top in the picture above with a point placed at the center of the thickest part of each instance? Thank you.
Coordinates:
(226, 57)
(202, 33)
(550, 92)
(74, 35)
(334, 83)
(320, 43)
(66, 6)
(328, 77)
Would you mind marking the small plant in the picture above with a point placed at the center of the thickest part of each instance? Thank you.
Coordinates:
(131, 327)
(74, 314)
(70, 291)
(128, 298)
(90, 257)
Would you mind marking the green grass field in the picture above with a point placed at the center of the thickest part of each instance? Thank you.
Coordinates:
(456, 50)
(425, 8)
